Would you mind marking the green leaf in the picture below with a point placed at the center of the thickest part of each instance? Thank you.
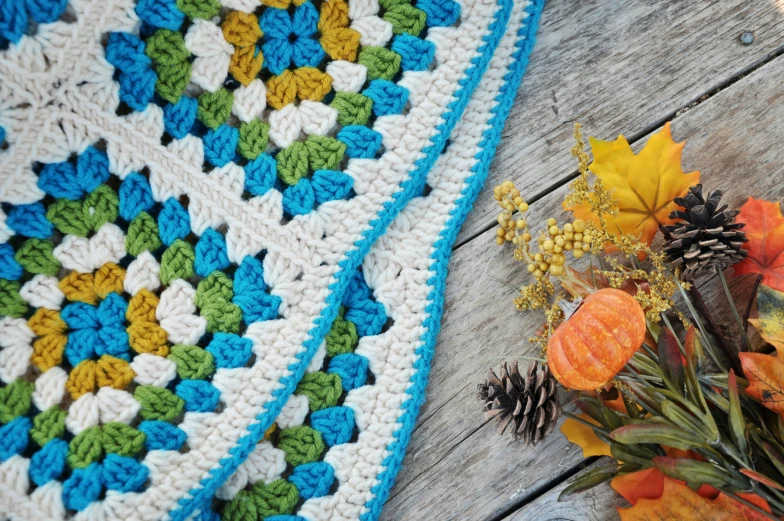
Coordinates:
(695, 472)
(588, 479)
(737, 423)
(770, 324)
(670, 360)
(666, 435)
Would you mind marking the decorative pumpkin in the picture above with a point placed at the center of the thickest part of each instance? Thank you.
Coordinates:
(592, 345)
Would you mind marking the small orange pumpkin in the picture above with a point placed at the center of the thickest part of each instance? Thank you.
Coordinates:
(592, 345)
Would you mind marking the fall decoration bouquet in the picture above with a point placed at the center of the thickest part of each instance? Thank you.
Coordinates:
(689, 411)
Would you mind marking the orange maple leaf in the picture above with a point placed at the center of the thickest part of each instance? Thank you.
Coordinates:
(766, 379)
(765, 232)
(678, 501)
(643, 185)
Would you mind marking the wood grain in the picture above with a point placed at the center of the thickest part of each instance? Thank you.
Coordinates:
(456, 467)
(596, 504)
(619, 67)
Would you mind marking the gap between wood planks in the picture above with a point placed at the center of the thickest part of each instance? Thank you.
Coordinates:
(571, 471)
(645, 131)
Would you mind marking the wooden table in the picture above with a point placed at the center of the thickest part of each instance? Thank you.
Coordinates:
(713, 68)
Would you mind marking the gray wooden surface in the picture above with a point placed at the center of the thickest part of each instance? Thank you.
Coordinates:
(617, 67)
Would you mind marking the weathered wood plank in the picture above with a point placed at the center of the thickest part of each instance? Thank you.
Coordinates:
(457, 467)
(597, 504)
(620, 66)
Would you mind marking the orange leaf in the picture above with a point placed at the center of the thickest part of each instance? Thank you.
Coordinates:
(766, 379)
(756, 476)
(680, 502)
(645, 484)
(582, 435)
(765, 232)
(643, 185)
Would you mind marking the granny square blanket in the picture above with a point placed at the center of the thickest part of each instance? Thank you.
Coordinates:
(224, 235)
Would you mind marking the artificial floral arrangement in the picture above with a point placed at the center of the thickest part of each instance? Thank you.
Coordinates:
(690, 412)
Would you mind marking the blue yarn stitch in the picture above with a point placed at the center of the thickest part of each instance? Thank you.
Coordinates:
(160, 13)
(352, 369)
(137, 88)
(59, 180)
(336, 424)
(46, 11)
(2, 135)
(80, 315)
(257, 306)
(299, 199)
(30, 220)
(369, 317)
(249, 277)
(13, 20)
(9, 268)
(113, 341)
(111, 310)
(199, 395)
(230, 351)
(92, 169)
(49, 462)
(173, 222)
(416, 54)
(81, 345)
(211, 253)
(162, 435)
(440, 13)
(83, 487)
(126, 52)
(178, 118)
(123, 474)
(313, 479)
(331, 185)
(135, 196)
(360, 141)
(302, 49)
(220, 144)
(13, 437)
(388, 98)
(260, 174)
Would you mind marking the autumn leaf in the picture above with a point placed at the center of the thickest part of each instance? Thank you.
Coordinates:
(584, 436)
(645, 484)
(643, 185)
(678, 501)
(765, 232)
(770, 324)
(765, 374)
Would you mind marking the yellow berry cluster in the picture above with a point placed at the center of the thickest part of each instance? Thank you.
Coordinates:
(552, 244)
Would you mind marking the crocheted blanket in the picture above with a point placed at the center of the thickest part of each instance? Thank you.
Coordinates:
(195, 322)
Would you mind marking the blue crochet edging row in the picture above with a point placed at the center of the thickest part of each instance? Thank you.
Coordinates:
(201, 495)
(441, 254)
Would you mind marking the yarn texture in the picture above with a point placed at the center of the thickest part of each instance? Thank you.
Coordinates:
(195, 322)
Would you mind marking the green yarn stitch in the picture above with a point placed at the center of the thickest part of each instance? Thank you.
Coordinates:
(101, 206)
(389, 4)
(166, 47)
(48, 425)
(342, 337)
(353, 108)
(11, 302)
(292, 163)
(215, 107)
(324, 153)
(406, 18)
(193, 362)
(302, 444)
(322, 389)
(216, 287)
(254, 136)
(122, 439)
(177, 262)
(278, 498)
(158, 403)
(205, 9)
(142, 235)
(85, 448)
(242, 507)
(381, 63)
(68, 217)
(15, 399)
(35, 256)
(223, 317)
(172, 80)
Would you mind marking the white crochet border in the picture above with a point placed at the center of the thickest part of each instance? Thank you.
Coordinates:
(407, 270)
(58, 96)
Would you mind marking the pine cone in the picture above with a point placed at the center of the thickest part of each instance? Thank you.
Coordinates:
(528, 402)
(706, 236)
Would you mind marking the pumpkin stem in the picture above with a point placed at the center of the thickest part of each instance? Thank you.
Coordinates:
(569, 306)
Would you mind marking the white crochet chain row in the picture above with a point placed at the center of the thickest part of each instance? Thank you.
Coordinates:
(58, 96)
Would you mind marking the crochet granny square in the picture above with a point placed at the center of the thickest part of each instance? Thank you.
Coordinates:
(187, 191)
